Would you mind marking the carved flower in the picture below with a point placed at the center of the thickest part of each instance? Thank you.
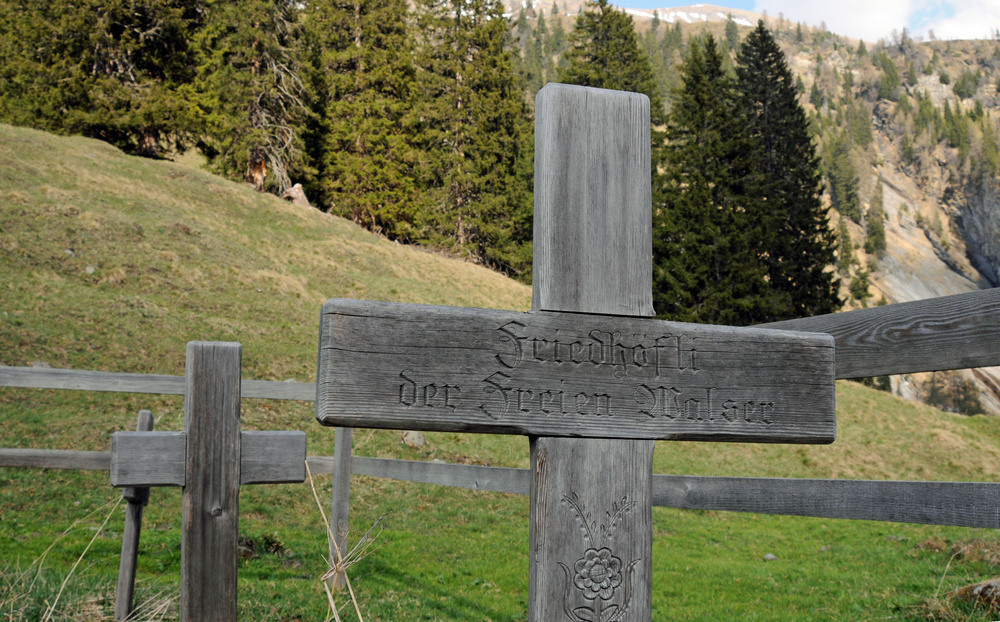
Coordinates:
(598, 573)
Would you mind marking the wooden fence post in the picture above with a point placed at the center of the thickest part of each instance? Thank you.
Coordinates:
(137, 497)
(210, 501)
(591, 499)
(340, 499)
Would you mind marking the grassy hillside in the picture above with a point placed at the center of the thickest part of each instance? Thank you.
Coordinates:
(110, 262)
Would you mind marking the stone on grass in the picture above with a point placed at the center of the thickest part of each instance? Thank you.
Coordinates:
(414, 439)
(985, 594)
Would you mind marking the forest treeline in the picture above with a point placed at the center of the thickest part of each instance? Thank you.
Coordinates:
(414, 120)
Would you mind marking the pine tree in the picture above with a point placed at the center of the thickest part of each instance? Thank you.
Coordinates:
(842, 178)
(732, 33)
(365, 88)
(708, 215)
(118, 70)
(801, 244)
(474, 161)
(875, 242)
(605, 54)
(251, 87)
(845, 247)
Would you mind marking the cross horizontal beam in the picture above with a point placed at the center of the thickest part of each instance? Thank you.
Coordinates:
(402, 366)
(159, 458)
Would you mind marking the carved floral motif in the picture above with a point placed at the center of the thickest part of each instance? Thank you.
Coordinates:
(600, 576)
(598, 573)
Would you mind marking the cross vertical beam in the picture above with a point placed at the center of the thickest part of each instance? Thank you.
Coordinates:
(212, 481)
(590, 528)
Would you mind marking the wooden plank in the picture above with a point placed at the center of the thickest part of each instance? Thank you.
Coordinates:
(600, 140)
(55, 459)
(82, 380)
(137, 499)
(271, 390)
(210, 501)
(592, 177)
(340, 500)
(472, 477)
(590, 504)
(953, 332)
(159, 458)
(962, 504)
(401, 366)
(148, 458)
(272, 457)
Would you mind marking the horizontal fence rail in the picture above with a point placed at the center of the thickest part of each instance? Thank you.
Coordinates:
(958, 504)
(118, 382)
(953, 332)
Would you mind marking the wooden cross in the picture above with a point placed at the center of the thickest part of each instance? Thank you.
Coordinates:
(586, 374)
(211, 459)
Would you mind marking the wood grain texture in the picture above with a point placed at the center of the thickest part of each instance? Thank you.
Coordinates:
(82, 380)
(55, 459)
(402, 366)
(593, 247)
(140, 494)
(148, 458)
(592, 202)
(953, 332)
(210, 501)
(590, 505)
(137, 498)
(472, 477)
(159, 458)
(340, 500)
(963, 504)
(960, 504)
(272, 457)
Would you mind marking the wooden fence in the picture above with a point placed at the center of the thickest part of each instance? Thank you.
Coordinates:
(954, 332)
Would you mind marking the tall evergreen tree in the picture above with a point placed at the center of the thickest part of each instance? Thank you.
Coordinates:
(875, 226)
(117, 70)
(800, 245)
(251, 87)
(708, 213)
(605, 54)
(474, 161)
(365, 88)
(842, 177)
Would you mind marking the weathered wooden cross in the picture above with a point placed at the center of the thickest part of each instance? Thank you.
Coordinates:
(586, 374)
(211, 459)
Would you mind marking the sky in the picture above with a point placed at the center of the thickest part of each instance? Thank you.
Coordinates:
(871, 20)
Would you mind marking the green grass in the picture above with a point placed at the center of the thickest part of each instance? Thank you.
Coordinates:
(164, 253)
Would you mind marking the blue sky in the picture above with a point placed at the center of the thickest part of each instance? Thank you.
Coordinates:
(871, 19)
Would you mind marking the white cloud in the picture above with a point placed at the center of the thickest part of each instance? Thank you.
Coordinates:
(865, 19)
(972, 19)
(872, 20)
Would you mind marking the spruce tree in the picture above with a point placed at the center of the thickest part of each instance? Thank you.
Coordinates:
(708, 213)
(843, 180)
(875, 242)
(800, 245)
(251, 88)
(119, 71)
(474, 155)
(365, 90)
(605, 54)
